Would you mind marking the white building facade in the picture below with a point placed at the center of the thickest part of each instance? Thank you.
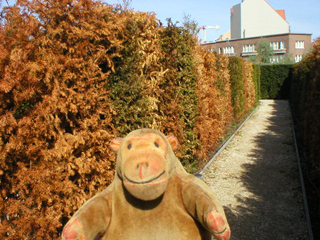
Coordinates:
(253, 18)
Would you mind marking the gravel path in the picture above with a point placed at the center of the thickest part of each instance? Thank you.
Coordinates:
(256, 178)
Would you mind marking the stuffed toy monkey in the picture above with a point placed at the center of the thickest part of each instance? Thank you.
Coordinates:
(152, 197)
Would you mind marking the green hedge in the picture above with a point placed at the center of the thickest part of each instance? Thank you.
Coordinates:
(257, 80)
(177, 45)
(305, 105)
(275, 81)
(236, 70)
(127, 82)
(305, 102)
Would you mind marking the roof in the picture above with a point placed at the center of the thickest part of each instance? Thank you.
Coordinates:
(282, 14)
(265, 36)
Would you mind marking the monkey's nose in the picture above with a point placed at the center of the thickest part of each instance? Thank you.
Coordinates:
(143, 169)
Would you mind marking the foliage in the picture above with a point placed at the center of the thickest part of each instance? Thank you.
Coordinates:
(55, 112)
(236, 69)
(249, 87)
(244, 86)
(275, 81)
(305, 102)
(76, 73)
(264, 51)
(125, 4)
(305, 97)
(179, 89)
(215, 108)
(256, 76)
(134, 84)
(190, 24)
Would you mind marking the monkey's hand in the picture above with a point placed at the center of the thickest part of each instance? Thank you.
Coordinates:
(73, 231)
(217, 226)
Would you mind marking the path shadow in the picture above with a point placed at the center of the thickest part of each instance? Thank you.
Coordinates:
(275, 210)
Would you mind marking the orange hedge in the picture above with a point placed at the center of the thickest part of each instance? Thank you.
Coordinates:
(215, 108)
(55, 112)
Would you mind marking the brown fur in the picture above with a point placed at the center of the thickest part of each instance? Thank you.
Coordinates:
(151, 198)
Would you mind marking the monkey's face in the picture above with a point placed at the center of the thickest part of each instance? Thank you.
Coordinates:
(143, 167)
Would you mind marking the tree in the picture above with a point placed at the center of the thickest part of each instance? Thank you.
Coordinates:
(190, 24)
(126, 4)
(264, 51)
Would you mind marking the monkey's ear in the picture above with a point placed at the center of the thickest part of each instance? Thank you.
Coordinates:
(173, 142)
(115, 144)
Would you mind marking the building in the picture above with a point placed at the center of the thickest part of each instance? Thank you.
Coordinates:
(253, 20)
(285, 46)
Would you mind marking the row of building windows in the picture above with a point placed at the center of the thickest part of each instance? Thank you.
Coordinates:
(274, 45)
(277, 59)
(251, 48)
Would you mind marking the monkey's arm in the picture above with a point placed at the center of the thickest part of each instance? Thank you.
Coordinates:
(201, 203)
(91, 221)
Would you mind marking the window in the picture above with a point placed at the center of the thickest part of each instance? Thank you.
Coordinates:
(300, 44)
(298, 58)
(273, 45)
(248, 48)
(276, 59)
(277, 45)
(227, 50)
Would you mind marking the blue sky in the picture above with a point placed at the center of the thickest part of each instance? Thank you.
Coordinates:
(302, 15)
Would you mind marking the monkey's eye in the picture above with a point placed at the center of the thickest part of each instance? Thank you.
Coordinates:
(129, 146)
(156, 144)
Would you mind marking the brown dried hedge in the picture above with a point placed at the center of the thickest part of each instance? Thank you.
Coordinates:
(215, 107)
(74, 74)
(55, 112)
(249, 87)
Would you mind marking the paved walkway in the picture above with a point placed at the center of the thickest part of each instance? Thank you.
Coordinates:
(256, 178)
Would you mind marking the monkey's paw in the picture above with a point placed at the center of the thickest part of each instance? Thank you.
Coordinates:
(218, 226)
(72, 231)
